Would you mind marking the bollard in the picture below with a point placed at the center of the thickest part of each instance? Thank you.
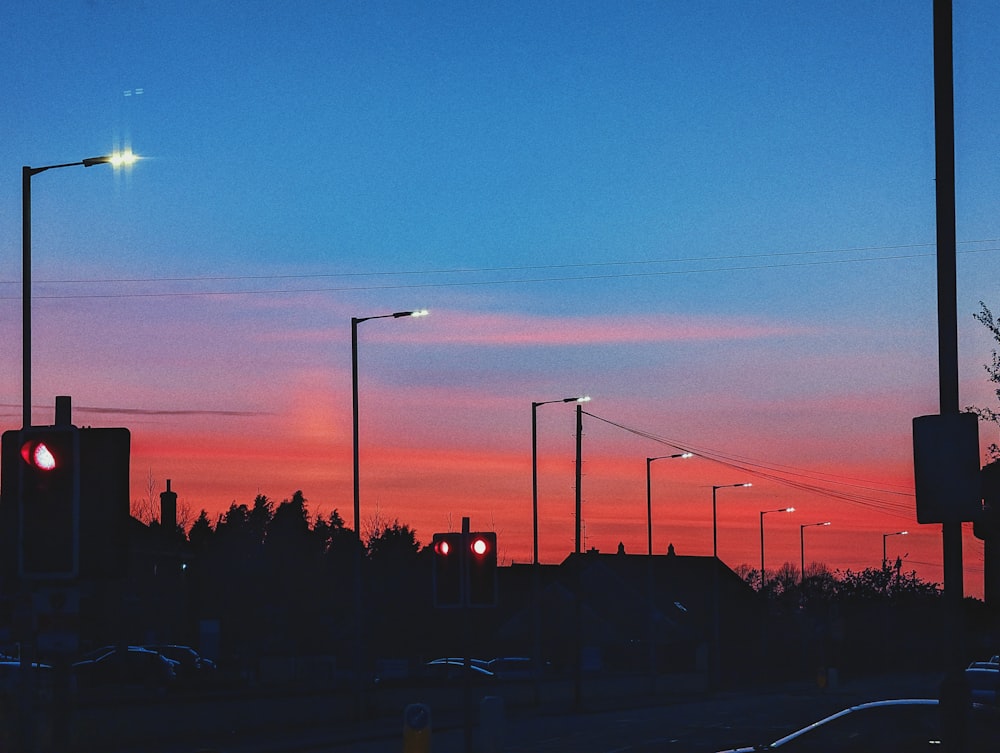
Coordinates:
(491, 725)
(417, 728)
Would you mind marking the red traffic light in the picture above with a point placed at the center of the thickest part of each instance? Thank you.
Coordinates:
(480, 546)
(38, 455)
(442, 547)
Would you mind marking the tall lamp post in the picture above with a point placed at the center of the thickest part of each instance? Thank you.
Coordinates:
(762, 514)
(355, 321)
(358, 601)
(715, 527)
(802, 547)
(536, 585)
(649, 562)
(716, 668)
(887, 535)
(534, 465)
(649, 495)
(116, 160)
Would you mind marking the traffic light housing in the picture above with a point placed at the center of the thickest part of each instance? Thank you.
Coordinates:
(64, 503)
(104, 502)
(446, 549)
(464, 569)
(481, 551)
(48, 502)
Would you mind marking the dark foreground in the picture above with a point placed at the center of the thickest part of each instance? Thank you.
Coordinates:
(688, 721)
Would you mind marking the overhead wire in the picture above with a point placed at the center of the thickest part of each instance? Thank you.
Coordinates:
(492, 270)
(852, 491)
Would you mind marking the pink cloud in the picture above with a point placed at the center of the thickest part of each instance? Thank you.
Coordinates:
(470, 328)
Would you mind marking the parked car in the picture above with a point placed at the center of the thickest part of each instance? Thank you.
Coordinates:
(192, 666)
(899, 726)
(11, 676)
(455, 670)
(983, 679)
(518, 668)
(128, 666)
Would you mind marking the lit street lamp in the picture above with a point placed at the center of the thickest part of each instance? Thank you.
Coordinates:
(536, 584)
(716, 667)
(887, 535)
(715, 528)
(649, 562)
(762, 514)
(649, 494)
(116, 160)
(358, 600)
(355, 321)
(534, 465)
(802, 546)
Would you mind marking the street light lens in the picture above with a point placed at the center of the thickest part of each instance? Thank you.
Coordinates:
(123, 159)
(421, 312)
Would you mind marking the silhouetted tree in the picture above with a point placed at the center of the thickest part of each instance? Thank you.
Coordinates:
(396, 542)
(201, 533)
(985, 317)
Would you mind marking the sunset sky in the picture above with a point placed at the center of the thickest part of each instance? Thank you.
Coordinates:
(716, 220)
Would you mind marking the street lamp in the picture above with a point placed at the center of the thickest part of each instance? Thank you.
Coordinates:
(358, 600)
(116, 160)
(716, 663)
(649, 562)
(802, 546)
(762, 514)
(355, 321)
(715, 529)
(649, 495)
(887, 535)
(536, 585)
(534, 465)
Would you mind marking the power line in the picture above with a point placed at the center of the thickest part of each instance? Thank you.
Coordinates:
(822, 484)
(482, 270)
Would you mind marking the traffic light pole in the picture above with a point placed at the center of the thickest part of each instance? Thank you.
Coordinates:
(954, 689)
(467, 652)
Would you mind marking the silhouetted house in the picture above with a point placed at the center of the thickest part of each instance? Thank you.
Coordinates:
(151, 602)
(633, 610)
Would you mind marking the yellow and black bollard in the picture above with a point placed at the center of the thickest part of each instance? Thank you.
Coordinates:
(417, 728)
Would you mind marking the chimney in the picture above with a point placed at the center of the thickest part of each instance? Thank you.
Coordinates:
(168, 509)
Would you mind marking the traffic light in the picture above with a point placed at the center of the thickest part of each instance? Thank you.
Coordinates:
(48, 502)
(481, 554)
(446, 549)
(64, 503)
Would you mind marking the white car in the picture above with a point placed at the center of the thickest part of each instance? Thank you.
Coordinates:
(900, 726)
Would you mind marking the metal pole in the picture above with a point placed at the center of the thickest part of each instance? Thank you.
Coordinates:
(649, 508)
(358, 554)
(944, 140)
(536, 580)
(534, 482)
(354, 415)
(802, 553)
(579, 472)
(26, 173)
(715, 532)
(761, 551)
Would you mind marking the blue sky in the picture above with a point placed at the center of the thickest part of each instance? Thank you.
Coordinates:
(716, 220)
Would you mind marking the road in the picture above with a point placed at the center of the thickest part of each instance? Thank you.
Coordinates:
(700, 725)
